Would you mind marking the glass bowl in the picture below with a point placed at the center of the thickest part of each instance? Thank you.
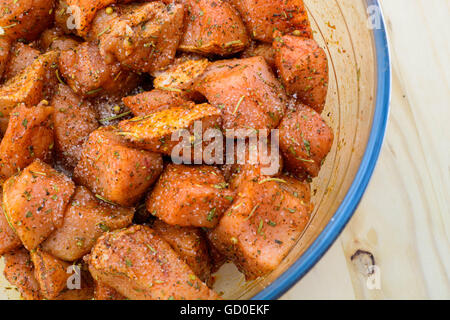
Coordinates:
(352, 33)
(357, 109)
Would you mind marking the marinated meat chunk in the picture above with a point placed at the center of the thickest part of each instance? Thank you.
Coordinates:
(76, 15)
(180, 76)
(25, 19)
(303, 67)
(263, 49)
(217, 258)
(145, 38)
(29, 136)
(264, 17)
(191, 246)
(85, 220)
(213, 27)
(74, 119)
(8, 237)
(138, 264)
(87, 73)
(85, 292)
(154, 132)
(199, 196)
(21, 56)
(148, 102)
(263, 224)
(35, 201)
(246, 91)
(55, 39)
(29, 85)
(19, 271)
(5, 46)
(252, 161)
(25, 87)
(305, 141)
(114, 171)
(110, 109)
(103, 20)
(105, 292)
(105, 17)
(3, 125)
(50, 272)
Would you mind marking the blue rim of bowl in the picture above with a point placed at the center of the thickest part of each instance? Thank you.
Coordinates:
(348, 206)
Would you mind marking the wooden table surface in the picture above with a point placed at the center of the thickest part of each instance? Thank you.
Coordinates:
(403, 221)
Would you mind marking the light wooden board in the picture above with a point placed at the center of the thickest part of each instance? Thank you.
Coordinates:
(404, 218)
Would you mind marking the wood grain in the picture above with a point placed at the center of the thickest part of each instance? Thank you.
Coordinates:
(403, 223)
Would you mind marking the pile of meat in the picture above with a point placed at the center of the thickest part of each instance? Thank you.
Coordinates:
(91, 93)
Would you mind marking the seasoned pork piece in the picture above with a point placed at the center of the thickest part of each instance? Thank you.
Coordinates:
(252, 161)
(80, 284)
(217, 258)
(3, 125)
(50, 272)
(21, 56)
(263, 49)
(180, 76)
(154, 132)
(103, 20)
(87, 73)
(105, 292)
(190, 244)
(303, 67)
(86, 291)
(246, 91)
(85, 220)
(8, 237)
(74, 119)
(199, 196)
(264, 17)
(35, 201)
(56, 39)
(25, 19)
(145, 38)
(114, 171)
(29, 136)
(5, 46)
(213, 27)
(29, 85)
(305, 141)
(19, 271)
(76, 15)
(140, 265)
(149, 102)
(110, 109)
(263, 224)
